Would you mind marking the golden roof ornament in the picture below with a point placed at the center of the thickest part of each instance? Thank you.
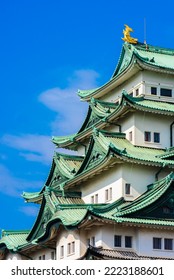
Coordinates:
(127, 37)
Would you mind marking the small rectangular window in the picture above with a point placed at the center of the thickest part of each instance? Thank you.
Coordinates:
(130, 136)
(62, 251)
(69, 249)
(93, 241)
(137, 92)
(52, 255)
(96, 198)
(156, 137)
(128, 241)
(166, 92)
(108, 194)
(117, 241)
(92, 199)
(153, 90)
(156, 243)
(73, 247)
(168, 244)
(127, 188)
(147, 136)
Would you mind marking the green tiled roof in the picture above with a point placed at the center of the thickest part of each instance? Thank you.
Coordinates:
(108, 112)
(73, 212)
(64, 167)
(13, 239)
(155, 58)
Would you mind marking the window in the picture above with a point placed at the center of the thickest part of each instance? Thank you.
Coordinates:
(73, 247)
(52, 255)
(62, 251)
(168, 244)
(108, 194)
(156, 243)
(93, 241)
(130, 135)
(165, 92)
(154, 90)
(94, 198)
(137, 92)
(147, 136)
(127, 188)
(128, 241)
(42, 257)
(117, 240)
(156, 137)
(69, 249)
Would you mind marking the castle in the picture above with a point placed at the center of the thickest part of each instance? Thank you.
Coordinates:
(114, 199)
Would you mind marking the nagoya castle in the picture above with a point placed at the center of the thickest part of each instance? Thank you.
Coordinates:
(114, 199)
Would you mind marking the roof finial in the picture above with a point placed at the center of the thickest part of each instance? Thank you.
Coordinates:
(127, 37)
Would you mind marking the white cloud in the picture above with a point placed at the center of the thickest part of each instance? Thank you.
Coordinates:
(13, 186)
(32, 147)
(29, 210)
(70, 114)
(70, 110)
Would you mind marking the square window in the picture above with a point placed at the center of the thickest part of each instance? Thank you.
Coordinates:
(165, 92)
(168, 244)
(117, 240)
(154, 90)
(156, 137)
(147, 136)
(128, 241)
(127, 188)
(156, 243)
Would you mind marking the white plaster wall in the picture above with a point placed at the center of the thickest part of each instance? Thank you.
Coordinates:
(152, 79)
(139, 122)
(66, 237)
(13, 257)
(153, 123)
(111, 178)
(145, 243)
(139, 176)
(130, 86)
(44, 251)
(104, 235)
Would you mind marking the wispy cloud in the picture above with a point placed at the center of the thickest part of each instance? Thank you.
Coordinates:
(32, 147)
(29, 210)
(13, 186)
(65, 102)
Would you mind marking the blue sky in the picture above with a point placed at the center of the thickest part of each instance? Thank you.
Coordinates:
(49, 50)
